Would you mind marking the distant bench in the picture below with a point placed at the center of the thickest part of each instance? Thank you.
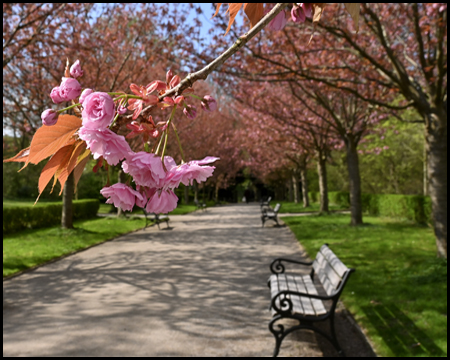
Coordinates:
(157, 218)
(269, 214)
(200, 205)
(296, 296)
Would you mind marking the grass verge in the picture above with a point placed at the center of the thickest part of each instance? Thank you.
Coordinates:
(399, 290)
(29, 248)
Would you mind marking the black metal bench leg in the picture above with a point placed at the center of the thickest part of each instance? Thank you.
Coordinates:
(333, 336)
(278, 334)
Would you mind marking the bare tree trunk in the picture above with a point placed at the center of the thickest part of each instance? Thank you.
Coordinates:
(195, 190)
(425, 170)
(436, 137)
(67, 209)
(355, 182)
(323, 187)
(304, 187)
(216, 193)
(296, 189)
(121, 179)
(186, 195)
(291, 189)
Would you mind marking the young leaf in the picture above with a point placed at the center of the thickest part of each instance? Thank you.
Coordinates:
(21, 156)
(79, 148)
(61, 156)
(353, 10)
(233, 9)
(79, 168)
(49, 139)
(254, 11)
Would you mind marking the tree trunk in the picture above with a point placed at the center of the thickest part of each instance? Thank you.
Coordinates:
(425, 170)
(355, 182)
(67, 210)
(291, 189)
(304, 187)
(295, 185)
(186, 195)
(195, 190)
(436, 137)
(323, 187)
(121, 179)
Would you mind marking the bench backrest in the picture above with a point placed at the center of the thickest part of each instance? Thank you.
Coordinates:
(277, 208)
(329, 270)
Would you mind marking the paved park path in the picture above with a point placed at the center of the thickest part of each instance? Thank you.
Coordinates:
(196, 289)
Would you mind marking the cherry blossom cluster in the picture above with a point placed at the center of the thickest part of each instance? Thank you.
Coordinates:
(155, 176)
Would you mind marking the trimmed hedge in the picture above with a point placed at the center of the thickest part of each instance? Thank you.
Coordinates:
(416, 208)
(33, 217)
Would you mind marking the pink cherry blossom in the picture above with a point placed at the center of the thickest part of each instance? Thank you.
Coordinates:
(188, 172)
(145, 168)
(56, 96)
(121, 196)
(85, 94)
(69, 89)
(162, 201)
(98, 110)
(75, 69)
(105, 143)
(49, 117)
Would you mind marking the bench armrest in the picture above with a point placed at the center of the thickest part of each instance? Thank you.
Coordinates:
(278, 268)
(285, 304)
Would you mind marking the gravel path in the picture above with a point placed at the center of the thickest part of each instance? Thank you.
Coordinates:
(196, 289)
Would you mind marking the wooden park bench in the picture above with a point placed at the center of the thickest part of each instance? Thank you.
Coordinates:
(156, 218)
(269, 214)
(296, 296)
(266, 204)
(200, 205)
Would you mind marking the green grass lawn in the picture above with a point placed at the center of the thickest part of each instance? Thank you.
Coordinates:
(29, 248)
(399, 290)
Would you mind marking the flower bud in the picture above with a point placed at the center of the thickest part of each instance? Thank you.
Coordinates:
(169, 76)
(190, 111)
(75, 69)
(121, 109)
(298, 14)
(56, 95)
(69, 89)
(208, 103)
(175, 81)
(49, 117)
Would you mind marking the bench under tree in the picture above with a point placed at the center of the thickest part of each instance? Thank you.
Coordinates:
(296, 297)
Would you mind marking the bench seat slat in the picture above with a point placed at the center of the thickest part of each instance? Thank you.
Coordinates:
(301, 304)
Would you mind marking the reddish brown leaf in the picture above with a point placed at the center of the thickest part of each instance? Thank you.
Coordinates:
(62, 156)
(317, 13)
(21, 156)
(233, 9)
(49, 139)
(353, 10)
(254, 11)
(217, 9)
(79, 169)
(79, 148)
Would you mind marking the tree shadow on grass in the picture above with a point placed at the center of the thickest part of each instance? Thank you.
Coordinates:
(400, 333)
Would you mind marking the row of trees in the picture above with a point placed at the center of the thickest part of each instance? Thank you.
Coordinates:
(332, 92)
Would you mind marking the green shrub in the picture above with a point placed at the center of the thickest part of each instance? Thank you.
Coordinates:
(44, 215)
(341, 198)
